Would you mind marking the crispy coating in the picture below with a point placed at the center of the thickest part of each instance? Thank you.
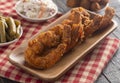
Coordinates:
(100, 22)
(109, 13)
(92, 26)
(93, 5)
(47, 48)
(51, 57)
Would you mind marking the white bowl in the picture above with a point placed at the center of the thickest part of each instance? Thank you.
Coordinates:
(15, 40)
(37, 19)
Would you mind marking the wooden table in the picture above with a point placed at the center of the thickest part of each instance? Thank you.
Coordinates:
(111, 74)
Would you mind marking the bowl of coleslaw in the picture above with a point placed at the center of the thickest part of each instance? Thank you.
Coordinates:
(36, 10)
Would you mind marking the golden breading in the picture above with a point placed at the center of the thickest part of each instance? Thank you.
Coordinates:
(93, 5)
(45, 50)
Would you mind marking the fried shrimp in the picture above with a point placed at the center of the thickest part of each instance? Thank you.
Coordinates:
(47, 48)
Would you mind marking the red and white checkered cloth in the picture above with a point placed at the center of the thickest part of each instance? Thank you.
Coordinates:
(86, 71)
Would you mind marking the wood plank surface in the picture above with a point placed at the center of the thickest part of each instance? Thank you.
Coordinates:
(111, 74)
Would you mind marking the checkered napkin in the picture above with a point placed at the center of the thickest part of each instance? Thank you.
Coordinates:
(86, 71)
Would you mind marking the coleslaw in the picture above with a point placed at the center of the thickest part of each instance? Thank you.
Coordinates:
(36, 8)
